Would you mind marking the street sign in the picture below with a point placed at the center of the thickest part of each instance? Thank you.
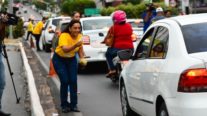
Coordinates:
(91, 11)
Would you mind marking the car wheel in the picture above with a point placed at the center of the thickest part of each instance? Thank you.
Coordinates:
(163, 110)
(47, 48)
(126, 110)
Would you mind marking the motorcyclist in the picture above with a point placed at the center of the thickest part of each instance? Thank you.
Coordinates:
(122, 32)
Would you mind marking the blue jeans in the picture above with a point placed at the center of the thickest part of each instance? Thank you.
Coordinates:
(66, 69)
(110, 54)
(2, 77)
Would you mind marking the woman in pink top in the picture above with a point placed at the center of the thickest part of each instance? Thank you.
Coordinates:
(122, 32)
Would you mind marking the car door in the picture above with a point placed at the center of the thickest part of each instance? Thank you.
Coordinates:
(136, 69)
(152, 69)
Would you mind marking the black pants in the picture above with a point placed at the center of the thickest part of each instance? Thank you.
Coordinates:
(37, 38)
(28, 33)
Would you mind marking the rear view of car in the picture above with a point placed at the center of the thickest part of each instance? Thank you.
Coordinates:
(167, 74)
(94, 29)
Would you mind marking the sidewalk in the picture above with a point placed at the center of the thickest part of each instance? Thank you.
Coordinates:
(9, 102)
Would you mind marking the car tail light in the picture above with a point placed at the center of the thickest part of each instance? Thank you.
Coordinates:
(193, 80)
(86, 40)
(134, 37)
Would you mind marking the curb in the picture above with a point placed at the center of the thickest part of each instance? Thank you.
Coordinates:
(36, 108)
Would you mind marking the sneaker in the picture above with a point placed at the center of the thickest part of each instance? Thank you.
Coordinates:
(65, 110)
(4, 114)
(75, 109)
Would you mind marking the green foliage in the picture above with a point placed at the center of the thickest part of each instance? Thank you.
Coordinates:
(132, 1)
(18, 29)
(69, 6)
(135, 11)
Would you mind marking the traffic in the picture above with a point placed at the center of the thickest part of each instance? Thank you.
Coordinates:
(112, 65)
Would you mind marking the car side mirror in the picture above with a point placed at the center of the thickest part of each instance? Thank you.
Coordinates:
(125, 54)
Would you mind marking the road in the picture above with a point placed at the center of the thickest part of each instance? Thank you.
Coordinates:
(99, 96)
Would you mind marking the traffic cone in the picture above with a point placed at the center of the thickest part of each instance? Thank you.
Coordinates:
(52, 72)
(31, 43)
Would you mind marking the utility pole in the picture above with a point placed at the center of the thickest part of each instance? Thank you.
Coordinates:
(10, 11)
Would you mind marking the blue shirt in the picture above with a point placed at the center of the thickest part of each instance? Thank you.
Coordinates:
(147, 24)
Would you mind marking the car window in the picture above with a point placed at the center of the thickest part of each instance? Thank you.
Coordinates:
(63, 26)
(195, 37)
(143, 47)
(97, 24)
(160, 43)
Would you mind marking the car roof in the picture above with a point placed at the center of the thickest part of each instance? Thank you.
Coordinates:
(188, 19)
(59, 17)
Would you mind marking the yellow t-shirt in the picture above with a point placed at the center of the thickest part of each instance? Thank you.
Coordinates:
(30, 26)
(66, 40)
(38, 28)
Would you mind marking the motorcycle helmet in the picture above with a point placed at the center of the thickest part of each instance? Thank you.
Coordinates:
(119, 16)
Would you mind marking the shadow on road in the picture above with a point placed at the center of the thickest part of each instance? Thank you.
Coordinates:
(94, 68)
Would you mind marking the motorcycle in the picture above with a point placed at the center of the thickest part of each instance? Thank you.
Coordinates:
(119, 62)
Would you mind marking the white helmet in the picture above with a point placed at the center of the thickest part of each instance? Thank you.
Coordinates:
(159, 9)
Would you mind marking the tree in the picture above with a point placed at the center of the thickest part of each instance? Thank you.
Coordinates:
(69, 6)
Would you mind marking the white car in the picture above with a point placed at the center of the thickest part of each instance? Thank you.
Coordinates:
(94, 29)
(167, 74)
(48, 32)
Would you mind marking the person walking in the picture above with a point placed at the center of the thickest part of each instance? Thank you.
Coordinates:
(3, 19)
(122, 32)
(29, 28)
(37, 32)
(65, 64)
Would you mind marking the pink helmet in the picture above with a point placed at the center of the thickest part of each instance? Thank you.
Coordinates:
(119, 16)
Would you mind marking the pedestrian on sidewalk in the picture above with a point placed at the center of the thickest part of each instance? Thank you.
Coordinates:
(29, 28)
(37, 31)
(3, 20)
(65, 64)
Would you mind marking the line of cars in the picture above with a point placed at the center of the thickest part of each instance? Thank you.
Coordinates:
(94, 29)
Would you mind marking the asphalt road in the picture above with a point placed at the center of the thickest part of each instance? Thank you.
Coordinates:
(98, 95)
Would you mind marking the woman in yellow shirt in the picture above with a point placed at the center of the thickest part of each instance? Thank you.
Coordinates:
(37, 31)
(65, 64)
(29, 28)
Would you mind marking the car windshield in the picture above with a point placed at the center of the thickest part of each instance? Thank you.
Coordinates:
(97, 24)
(195, 37)
(56, 21)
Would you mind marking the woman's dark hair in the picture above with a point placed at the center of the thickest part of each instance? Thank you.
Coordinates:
(74, 12)
(72, 22)
(123, 22)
